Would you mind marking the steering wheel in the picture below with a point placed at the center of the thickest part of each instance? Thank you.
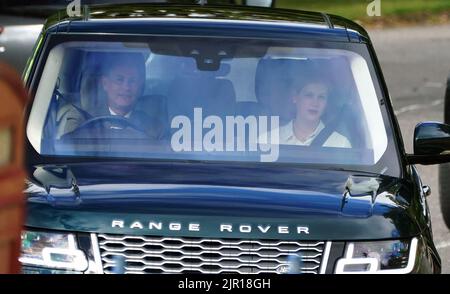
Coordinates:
(114, 119)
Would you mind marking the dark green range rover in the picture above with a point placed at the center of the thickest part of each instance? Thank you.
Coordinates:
(219, 139)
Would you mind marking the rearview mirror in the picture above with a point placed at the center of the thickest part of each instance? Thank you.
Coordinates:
(431, 143)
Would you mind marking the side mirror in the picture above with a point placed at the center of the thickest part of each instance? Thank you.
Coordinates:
(59, 177)
(431, 143)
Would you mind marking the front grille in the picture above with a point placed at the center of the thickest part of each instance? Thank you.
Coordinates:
(148, 254)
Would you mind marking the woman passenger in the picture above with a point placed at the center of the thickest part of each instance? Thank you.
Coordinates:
(310, 99)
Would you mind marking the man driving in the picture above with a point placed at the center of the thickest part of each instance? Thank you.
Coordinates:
(113, 113)
(122, 82)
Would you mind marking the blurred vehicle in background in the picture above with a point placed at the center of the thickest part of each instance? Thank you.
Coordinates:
(12, 173)
(20, 24)
(444, 169)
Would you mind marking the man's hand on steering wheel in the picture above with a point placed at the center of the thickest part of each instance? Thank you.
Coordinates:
(117, 123)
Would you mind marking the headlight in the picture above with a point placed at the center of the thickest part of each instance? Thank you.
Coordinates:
(381, 257)
(52, 250)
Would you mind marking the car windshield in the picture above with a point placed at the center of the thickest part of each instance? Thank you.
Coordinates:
(211, 99)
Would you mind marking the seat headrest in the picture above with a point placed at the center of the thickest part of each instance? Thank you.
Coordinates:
(274, 81)
(279, 73)
(92, 97)
(216, 96)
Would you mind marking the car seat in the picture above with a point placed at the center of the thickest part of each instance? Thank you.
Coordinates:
(274, 87)
(344, 107)
(201, 89)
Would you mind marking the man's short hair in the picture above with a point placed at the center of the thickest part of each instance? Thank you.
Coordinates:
(114, 60)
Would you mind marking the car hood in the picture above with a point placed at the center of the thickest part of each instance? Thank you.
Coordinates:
(213, 200)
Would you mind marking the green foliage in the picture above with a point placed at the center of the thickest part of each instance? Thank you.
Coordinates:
(356, 9)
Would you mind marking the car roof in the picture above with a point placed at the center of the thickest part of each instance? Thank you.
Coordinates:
(121, 18)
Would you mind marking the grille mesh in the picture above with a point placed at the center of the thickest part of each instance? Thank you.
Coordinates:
(148, 254)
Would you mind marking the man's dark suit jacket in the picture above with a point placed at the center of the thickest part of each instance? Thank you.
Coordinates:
(70, 118)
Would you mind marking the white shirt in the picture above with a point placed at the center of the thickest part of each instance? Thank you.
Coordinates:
(287, 137)
(113, 113)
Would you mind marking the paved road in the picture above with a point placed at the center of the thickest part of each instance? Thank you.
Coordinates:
(416, 63)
